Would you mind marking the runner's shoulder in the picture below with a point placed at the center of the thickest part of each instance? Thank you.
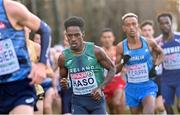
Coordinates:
(61, 59)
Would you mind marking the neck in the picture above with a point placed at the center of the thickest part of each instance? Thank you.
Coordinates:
(168, 36)
(133, 40)
(108, 48)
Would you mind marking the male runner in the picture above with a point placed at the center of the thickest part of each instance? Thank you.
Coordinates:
(85, 62)
(170, 79)
(140, 90)
(114, 91)
(16, 94)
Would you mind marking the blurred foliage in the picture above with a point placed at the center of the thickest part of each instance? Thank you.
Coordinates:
(99, 14)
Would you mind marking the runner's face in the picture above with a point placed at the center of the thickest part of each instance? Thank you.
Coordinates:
(165, 24)
(131, 26)
(37, 38)
(75, 37)
(107, 39)
(147, 31)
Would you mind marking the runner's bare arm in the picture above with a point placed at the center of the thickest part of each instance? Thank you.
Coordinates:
(106, 62)
(157, 51)
(20, 16)
(119, 55)
(63, 72)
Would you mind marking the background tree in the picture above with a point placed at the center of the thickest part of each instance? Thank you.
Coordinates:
(100, 13)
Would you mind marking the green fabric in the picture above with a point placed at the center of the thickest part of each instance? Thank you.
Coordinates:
(86, 61)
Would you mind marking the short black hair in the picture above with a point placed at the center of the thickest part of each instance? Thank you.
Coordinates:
(74, 21)
(106, 30)
(147, 22)
(164, 15)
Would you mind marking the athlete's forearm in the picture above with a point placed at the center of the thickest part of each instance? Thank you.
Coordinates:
(159, 59)
(124, 60)
(118, 68)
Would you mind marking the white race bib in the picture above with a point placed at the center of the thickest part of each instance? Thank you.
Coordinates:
(83, 82)
(8, 58)
(172, 61)
(138, 73)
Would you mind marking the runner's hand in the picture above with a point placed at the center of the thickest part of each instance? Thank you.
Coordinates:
(126, 59)
(152, 72)
(97, 94)
(64, 83)
(38, 73)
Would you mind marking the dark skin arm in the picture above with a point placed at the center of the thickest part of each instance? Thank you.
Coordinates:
(63, 72)
(105, 62)
(119, 56)
(157, 52)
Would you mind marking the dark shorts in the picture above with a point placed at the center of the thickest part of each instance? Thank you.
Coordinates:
(66, 100)
(157, 81)
(169, 90)
(16, 93)
(85, 104)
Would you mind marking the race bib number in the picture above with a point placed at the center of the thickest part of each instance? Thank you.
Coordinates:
(172, 61)
(8, 59)
(83, 82)
(138, 73)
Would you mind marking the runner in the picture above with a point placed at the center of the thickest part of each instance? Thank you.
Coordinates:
(15, 66)
(148, 32)
(84, 63)
(140, 90)
(170, 79)
(114, 91)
